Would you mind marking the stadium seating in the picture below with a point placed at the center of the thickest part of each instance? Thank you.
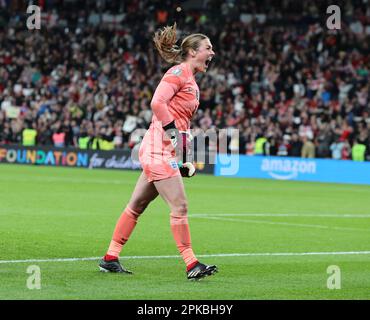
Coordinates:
(87, 76)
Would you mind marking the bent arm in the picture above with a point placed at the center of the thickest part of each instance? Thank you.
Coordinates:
(165, 91)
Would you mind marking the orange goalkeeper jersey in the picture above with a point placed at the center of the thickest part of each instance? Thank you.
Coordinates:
(175, 99)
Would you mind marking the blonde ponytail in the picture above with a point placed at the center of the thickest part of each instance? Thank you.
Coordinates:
(165, 42)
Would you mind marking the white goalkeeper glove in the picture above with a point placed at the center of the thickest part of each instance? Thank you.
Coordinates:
(181, 142)
(187, 169)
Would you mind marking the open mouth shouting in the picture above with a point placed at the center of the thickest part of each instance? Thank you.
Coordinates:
(203, 55)
(207, 62)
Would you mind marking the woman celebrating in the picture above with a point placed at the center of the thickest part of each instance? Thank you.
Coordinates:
(174, 102)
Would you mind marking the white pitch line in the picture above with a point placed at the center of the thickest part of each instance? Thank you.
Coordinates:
(319, 226)
(251, 254)
(82, 259)
(280, 215)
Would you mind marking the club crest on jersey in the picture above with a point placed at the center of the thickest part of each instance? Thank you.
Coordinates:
(173, 164)
(176, 71)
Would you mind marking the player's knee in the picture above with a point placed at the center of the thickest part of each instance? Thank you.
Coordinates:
(182, 208)
(139, 206)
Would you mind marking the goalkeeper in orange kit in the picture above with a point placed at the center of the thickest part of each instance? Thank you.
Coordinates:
(174, 103)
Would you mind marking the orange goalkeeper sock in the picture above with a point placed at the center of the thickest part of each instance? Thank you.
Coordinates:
(124, 227)
(181, 233)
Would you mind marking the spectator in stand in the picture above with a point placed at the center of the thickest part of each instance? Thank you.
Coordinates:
(259, 148)
(29, 135)
(58, 138)
(308, 148)
(323, 141)
(295, 146)
(336, 149)
(358, 151)
(346, 150)
(284, 146)
(285, 77)
(271, 147)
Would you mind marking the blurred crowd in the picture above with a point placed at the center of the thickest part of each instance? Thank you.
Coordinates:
(287, 83)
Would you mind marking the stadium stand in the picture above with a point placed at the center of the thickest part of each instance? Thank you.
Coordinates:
(291, 86)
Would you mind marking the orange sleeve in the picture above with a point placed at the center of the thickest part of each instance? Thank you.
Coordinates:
(170, 84)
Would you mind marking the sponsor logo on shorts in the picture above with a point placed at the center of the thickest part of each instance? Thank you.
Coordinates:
(173, 164)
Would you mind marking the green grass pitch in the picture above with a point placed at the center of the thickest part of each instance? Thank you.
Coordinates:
(265, 236)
